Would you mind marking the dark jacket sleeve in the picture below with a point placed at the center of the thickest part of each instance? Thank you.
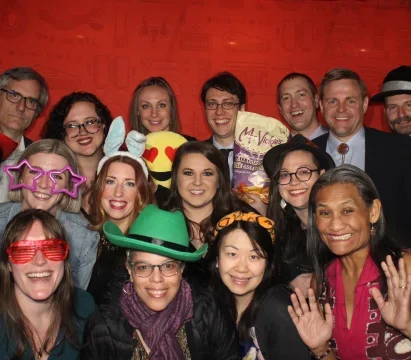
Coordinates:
(108, 336)
(276, 334)
(211, 333)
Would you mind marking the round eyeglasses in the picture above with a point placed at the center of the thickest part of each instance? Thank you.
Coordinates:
(92, 126)
(302, 174)
(15, 97)
(226, 105)
(142, 269)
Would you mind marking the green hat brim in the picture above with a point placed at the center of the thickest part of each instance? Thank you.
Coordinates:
(116, 237)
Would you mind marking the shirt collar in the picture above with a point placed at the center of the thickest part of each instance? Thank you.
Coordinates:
(219, 146)
(333, 142)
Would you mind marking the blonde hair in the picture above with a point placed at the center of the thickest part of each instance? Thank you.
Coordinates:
(50, 146)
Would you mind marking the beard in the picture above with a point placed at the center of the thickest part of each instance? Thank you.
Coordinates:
(401, 125)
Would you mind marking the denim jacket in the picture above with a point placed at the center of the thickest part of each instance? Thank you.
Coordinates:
(83, 241)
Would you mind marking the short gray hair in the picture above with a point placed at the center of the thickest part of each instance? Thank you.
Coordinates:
(26, 73)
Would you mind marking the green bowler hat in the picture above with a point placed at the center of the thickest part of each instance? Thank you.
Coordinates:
(156, 231)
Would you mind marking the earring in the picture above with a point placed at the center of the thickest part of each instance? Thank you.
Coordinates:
(125, 285)
(216, 265)
(372, 231)
(283, 204)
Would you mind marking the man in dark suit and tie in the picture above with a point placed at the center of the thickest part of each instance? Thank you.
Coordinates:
(385, 157)
(223, 96)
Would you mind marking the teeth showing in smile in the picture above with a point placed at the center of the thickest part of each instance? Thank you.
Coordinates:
(157, 292)
(197, 192)
(222, 121)
(341, 118)
(39, 275)
(295, 113)
(240, 281)
(85, 141)
(41, 195)
(295, 192)
(341, 237)
(118, 203)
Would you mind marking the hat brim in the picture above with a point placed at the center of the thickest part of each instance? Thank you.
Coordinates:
(377, 98)
(271, 157)
(116, 237)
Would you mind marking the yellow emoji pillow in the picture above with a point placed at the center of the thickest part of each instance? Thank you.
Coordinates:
(159, 155)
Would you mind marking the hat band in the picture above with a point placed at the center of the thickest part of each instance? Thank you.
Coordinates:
(396, 85)
(159, 242)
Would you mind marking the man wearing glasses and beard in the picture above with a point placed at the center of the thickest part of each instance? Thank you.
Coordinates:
(396, 96)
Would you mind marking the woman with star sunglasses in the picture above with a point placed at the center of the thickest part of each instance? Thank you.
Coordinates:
(41, 315)
(46, 177)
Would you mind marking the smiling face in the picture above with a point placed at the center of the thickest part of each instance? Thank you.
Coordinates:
(42, 197)
(240, 267)
(197, 182)
(154, 108)
(298, 105)
(297, 193)
(84, 144)
(343, 220)
(38, 279)
(222, 122)
(398, 113)
(155, 291)
(343, 108)
(15, 118)
(119, 194)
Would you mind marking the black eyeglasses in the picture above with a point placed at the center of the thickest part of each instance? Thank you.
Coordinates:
(302, 174)
(92, 126)
(142, 269)
(15, 97)
(226, 105)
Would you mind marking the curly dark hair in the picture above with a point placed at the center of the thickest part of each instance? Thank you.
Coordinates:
(53, 128)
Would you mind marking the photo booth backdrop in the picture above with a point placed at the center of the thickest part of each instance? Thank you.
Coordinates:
(108, 46)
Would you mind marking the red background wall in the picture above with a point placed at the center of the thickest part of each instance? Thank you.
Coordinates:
(108, 46)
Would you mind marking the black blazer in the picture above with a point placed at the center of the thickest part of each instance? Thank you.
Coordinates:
(388, 163)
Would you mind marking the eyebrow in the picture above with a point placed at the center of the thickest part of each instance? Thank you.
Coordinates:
(115, 177)
(343, 203)
(225, 99)
(232, 246)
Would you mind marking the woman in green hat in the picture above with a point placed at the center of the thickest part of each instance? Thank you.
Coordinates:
(158, 314)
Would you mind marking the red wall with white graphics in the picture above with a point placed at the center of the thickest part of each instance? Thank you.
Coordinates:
(108, 46)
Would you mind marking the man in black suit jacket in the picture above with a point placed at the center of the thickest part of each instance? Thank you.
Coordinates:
(385, 157)
(23, 95)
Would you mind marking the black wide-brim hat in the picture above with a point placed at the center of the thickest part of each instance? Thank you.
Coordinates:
(297, 142)
(397, 81)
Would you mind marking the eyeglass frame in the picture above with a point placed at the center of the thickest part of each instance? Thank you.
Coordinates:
(83, 125)
(133, 263)
(222, 105)
(8, 92)
(277, 178)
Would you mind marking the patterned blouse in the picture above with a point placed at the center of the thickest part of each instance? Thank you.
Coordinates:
(140, 352)
(369, 337)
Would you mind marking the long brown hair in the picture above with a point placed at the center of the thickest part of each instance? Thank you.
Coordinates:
(145, 193)
(159, 81)
(18, 328)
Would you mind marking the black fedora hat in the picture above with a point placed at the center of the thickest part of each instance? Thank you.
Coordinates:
(297, 142)
(397, 81)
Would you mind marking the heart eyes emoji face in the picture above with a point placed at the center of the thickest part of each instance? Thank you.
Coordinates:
(150, 154)
(170, 152)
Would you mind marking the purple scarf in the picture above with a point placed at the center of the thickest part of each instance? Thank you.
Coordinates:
(159, 328)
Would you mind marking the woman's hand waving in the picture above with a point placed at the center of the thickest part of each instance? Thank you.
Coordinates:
(396, 310)
(314, 329)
